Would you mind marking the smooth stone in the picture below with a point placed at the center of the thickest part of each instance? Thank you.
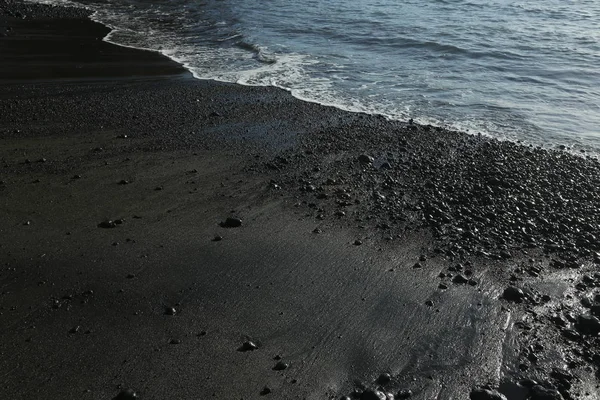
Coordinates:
(231, 222)
(371, 394)
(512, 293)
(486, 394)
(280, 366)
(126, 394)
(248, 346)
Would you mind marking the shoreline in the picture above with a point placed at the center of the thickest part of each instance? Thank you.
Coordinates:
(366, 246)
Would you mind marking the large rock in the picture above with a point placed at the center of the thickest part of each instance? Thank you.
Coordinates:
(486, 394)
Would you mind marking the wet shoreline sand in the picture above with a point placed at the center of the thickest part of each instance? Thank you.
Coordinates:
(356, 255)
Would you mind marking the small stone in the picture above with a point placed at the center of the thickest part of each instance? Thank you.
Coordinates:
(317, 230)
(357, 242)
(460, 279)
(75, 329)
(588, 324)
(170, 311)
(130, 276)
(442, 286)
(217, 238)
(123, 182)
(231, 222)
(265, 391)
(365, 159)
(76, 177)
(404, 394)
(384, 379)
(514, 294)
(280, 366)
(429, 303)
(107, 224)
(248, 346)
(174, 341)
(126, 394)
(371, 394)
(417, 266)
(486, 394)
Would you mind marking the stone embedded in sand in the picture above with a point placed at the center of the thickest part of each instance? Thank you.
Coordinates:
(217, 238)
(365, 159)
(357, 242)
(174, 341)
(170, 311)
(265, 391)
(384, 379)
(123, 182)
(371, 394)
(126, 394)
(248, 346)
(486, 394)
(231, 222)
(588, 324)
(460, 279)
(512, 293)
(404, 394)
(107, 224)
(538, 392)
(280, 366)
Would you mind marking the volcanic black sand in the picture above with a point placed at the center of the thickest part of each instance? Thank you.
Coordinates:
(169, 238)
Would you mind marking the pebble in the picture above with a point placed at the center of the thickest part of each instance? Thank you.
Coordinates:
(231, 222)
(248, 346)
(107, 224)
(486, 394)
(404, 394)
(280, 366)
(372, 394)
(460, 279)
(358, 242)
(384, 378)
(265, 391)
(588, 324)
(126, 394)
(365, 159)
(170, 311)
(217, 238)
(513, 294)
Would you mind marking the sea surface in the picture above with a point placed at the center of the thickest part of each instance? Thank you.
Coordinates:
(519, 70)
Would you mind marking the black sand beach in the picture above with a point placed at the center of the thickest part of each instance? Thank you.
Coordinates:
(374, 258)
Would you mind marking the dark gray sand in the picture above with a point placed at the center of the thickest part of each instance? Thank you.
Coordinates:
(185, 239)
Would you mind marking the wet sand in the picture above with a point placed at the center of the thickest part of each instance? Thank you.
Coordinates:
(366, 247)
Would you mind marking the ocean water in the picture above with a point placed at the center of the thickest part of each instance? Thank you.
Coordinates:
(519, 70)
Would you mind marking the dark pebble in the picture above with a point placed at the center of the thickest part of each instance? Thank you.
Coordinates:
(514, 294)
(231, 222)
(248, 346)
(126, 394)
(588, 324)
(170, 311)
(385, 378)
(107, 224)
(280, 366)
(175, 341)
(371, 394)
(357, 242)
(266, 390)
(460, 279)
(486, 394)
(217, 238)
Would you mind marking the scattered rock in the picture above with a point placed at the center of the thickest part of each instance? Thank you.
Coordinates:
(385, 378)
(486, 394)
(588, 324)
(459, 279)
(231, 222)
(280, 366)
(248, 346)
(107, 224)
(170, 311)
(372, 394)
(365, 159)
(513, 294)
(126, 394)
(265, 391)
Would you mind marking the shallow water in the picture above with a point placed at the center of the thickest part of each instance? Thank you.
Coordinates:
(511, 69)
